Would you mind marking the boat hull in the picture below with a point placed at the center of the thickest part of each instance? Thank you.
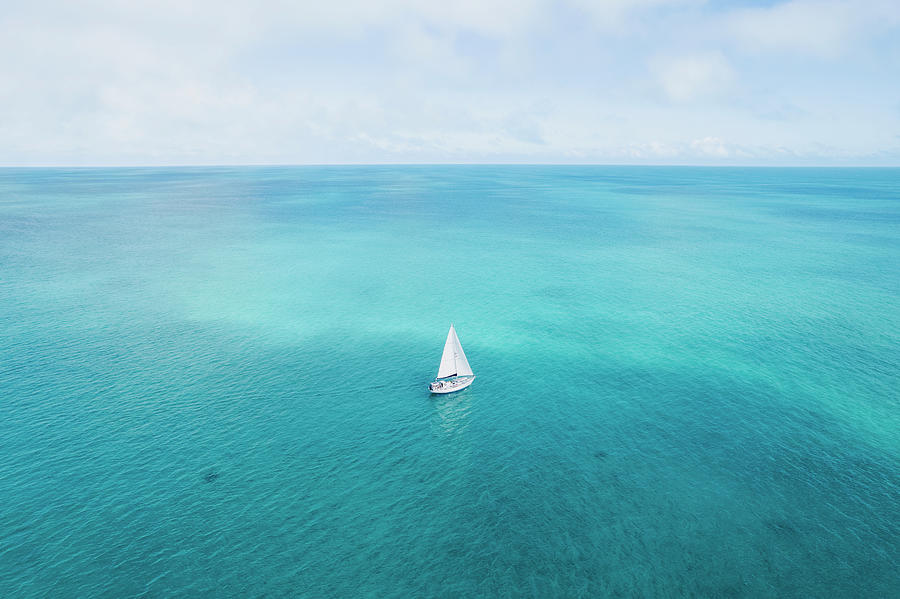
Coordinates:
(451, 386)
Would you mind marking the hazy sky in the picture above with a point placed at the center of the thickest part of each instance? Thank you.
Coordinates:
(616, 81)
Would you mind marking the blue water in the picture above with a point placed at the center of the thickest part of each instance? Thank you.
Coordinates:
(213, 382)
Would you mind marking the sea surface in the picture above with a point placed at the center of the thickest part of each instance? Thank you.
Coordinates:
(213, 382)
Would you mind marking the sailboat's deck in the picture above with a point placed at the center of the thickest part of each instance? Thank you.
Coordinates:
(451, 385)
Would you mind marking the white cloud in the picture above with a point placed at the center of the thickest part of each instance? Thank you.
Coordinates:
(653, 150)
(711, 146)
(411, 81)
(614, 15)
(694, 77)
(818, 27)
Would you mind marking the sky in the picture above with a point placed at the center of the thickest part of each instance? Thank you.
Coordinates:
(169, 82)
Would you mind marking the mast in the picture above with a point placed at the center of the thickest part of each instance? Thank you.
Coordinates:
(455, 353)
(453, 360)
(448, 358)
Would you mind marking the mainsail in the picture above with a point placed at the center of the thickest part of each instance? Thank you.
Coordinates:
(453, 360)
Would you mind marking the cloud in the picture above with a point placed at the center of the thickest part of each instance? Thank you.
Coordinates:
(711, 146)
(693, 77)
(108, 82)
(703, 150)
(614, 15)
(653, 150)
(816, 27)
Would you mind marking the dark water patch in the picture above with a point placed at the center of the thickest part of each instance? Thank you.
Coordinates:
(782, 528)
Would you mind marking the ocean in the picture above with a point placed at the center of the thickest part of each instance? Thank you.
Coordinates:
(214, 382)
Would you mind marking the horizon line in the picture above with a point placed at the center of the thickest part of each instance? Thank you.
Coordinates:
(428, 164)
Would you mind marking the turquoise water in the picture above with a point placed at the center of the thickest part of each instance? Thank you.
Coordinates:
(213, 382)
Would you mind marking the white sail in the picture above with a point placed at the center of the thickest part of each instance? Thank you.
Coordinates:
(462, 364)
(453, 360)
(448, 358)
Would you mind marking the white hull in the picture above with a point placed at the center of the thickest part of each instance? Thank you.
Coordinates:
(444, 387)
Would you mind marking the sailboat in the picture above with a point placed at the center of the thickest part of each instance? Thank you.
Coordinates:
(454, 372)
